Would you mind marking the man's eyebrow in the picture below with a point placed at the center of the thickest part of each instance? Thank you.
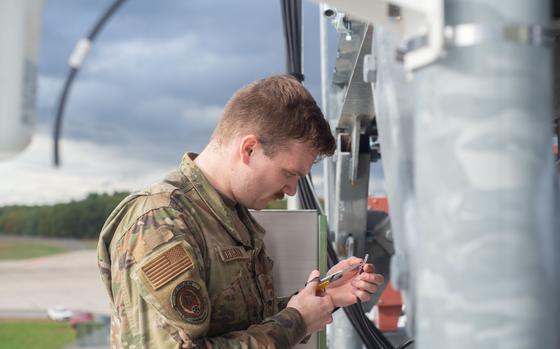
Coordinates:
(298, 173)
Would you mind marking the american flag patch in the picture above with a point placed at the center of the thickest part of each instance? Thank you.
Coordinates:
(167, 266)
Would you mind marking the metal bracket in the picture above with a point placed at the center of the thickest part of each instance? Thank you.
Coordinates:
(421, 27)
(471, 34)
(370, 68)
(355, 148)
(339, 21)
(409, 18)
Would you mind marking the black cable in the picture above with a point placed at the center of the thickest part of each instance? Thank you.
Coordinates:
(291, 15)
(60, 112)
(406, 344)
(291, 18)
(558, 139)
(370, 335)
(74, 70)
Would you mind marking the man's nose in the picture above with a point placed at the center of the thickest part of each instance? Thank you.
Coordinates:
(290, 188)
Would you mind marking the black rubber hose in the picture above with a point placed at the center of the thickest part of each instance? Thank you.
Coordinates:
(369, 334)
(72, 74)
(291, 18)
(405, 344)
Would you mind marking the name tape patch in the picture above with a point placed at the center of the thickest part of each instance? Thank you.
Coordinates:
(232, 253)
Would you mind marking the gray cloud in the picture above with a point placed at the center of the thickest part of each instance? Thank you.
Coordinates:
(154, 64)
(153, 85)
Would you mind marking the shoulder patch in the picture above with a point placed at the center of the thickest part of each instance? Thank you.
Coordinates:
(232, 253)
(188, 301)
(167, 266)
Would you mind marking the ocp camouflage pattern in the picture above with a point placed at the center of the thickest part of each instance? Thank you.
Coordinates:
(184, 270)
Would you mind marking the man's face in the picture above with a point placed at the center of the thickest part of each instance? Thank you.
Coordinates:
(265, 179)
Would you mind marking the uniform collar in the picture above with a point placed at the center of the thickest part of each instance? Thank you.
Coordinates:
(212, 198)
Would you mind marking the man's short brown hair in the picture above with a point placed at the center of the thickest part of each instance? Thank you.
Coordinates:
(277, 109)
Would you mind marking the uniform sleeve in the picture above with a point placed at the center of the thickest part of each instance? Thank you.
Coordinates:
(282, 302)
(169, 283)
(283, 330)
(169, 300)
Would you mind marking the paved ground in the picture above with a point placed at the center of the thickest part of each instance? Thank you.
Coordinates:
(29, 287)
(68, 243)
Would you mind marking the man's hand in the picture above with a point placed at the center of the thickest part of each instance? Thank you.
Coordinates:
(315, 307)
(353, 285)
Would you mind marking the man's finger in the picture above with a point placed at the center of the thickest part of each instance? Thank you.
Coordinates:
(377, 279)
(369, 268)
(365, 285)
(313, 281)
(364, 296)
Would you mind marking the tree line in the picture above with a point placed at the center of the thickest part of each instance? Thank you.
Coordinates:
(81, 219)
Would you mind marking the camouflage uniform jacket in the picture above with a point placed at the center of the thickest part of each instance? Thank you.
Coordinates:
(185, 270)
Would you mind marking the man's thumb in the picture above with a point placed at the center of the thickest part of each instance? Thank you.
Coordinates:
(313, 281)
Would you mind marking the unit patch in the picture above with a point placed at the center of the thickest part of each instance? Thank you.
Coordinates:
(232, 253)
(167, 266)
(188, 301)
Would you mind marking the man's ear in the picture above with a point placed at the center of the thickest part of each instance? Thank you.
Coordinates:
(247, 147)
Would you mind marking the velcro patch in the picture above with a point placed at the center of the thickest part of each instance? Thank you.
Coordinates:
(232, 253)
(188, 301)
(155, 239)
(167, 266)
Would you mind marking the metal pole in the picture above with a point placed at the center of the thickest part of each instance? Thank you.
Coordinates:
(394, 110)
(294, 202)
(324, 47)
(487, 264)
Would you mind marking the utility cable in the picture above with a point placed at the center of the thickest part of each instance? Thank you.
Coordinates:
(405, 344)
(370, 335)
(291, 15)
(75, 62)
(291, 18)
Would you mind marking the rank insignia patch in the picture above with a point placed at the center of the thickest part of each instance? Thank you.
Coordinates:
(167, 266)
(188, 301)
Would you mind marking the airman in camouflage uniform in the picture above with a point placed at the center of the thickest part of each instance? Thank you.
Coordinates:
(180, 265)
(184, 261)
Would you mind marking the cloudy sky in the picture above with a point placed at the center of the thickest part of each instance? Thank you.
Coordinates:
(152, 87)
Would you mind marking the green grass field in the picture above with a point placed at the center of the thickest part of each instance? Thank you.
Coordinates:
(13, 250)
(35, 334)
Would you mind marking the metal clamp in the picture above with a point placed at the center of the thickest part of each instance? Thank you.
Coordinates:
(339, 21)
(473, 34)
(409, 18)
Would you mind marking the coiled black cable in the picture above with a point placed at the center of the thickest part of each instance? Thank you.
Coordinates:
(74, 67)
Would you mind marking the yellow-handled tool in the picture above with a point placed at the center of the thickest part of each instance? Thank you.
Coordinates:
(324, 282)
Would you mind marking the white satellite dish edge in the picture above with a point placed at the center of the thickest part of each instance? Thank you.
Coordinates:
(20, 28)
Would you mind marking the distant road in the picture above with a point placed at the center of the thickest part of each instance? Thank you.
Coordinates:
(68, 243)
(29, 287)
